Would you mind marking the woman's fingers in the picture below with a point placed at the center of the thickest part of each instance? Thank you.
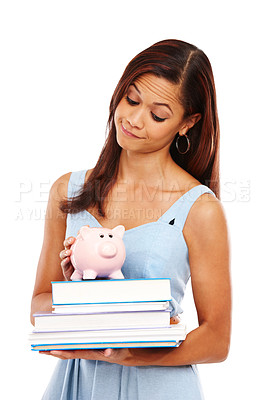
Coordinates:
(68, 242)
(174, 320)
(64, 253)
(65, 261)
(67, 268)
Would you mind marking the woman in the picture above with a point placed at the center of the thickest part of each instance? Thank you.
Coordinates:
(158, 175)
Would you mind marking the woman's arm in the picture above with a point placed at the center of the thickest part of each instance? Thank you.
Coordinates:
(49, 268)
(206, 235)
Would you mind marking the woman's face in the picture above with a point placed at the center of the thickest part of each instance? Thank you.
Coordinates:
(149, 115)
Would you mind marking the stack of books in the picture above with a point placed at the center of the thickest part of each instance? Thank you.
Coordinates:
(98, 314)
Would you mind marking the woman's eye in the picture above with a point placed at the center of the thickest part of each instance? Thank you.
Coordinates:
(131, 102)
(158, 119)
(135, 103)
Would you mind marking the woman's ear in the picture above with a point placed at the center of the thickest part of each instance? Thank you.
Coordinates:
(189, 123)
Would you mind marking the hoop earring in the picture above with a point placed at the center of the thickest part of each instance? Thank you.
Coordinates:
(188, 145)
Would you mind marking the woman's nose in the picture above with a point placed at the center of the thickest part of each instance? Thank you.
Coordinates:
(135, 119)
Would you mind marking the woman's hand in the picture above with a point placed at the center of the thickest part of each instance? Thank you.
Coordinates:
(65, 254)
(117, 356)
(127, 357)
(175, 320)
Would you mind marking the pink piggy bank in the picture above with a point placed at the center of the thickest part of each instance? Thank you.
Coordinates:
(98, 252)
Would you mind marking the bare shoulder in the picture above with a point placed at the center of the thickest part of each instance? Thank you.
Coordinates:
(206, 218)
(58, 190)
(207, 206)
(88, 173)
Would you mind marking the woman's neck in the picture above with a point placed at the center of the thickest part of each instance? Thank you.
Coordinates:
(150, 168)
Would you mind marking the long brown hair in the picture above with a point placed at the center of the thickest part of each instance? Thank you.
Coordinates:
(180, 63)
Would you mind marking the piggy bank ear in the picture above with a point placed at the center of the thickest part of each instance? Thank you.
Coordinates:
(119, 230)
(84, 231)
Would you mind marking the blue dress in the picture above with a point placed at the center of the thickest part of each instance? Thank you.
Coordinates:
(153, 250)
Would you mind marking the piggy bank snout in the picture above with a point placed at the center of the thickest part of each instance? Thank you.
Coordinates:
(107, 250)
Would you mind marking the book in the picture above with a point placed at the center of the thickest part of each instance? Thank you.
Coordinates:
(174, 332)
(110, 307)
(111, 345)
(111, 291)
(52, 321)
(172, 335)
(99, 314)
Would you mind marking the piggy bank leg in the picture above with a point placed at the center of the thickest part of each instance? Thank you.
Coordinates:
(89, 274)
(76, 276)
(117, 275)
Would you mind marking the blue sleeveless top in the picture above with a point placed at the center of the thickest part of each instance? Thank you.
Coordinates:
(153, 250)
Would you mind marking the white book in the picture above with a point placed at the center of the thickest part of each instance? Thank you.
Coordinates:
(111, 291)
(110, 307)
(52, 321)
(174, 332)
(111, 345)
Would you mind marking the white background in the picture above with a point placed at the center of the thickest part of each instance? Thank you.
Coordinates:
(60, 62)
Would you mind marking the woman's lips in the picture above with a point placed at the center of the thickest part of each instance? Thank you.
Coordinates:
(127, 133)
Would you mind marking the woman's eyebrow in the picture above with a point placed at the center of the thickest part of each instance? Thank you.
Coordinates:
(155, 103)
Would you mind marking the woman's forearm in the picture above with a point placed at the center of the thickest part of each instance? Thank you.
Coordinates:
(203, 345)
(41, 302)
